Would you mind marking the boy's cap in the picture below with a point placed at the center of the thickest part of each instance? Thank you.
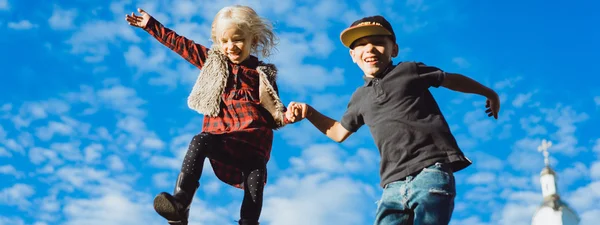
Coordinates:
(367, 26)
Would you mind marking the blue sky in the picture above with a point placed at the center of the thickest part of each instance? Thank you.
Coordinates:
(93, 120)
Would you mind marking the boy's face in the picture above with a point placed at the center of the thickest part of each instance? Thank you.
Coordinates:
(235, 43)
(373, 54)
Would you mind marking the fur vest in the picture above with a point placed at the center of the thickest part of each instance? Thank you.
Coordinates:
(206, 99)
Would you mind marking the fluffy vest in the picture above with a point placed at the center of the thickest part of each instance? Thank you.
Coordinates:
(205, 97)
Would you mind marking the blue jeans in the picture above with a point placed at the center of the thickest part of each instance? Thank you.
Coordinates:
(426, 198)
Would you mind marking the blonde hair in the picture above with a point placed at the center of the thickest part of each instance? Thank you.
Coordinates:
(246, 19)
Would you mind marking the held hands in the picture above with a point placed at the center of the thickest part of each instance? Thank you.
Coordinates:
(492, 105)
(296, 111)
(138, 21)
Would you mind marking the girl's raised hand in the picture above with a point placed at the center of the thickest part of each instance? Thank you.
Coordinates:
(138, 21)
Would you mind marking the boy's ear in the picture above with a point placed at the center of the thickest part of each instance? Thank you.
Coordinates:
(395, 50)
(352, 55)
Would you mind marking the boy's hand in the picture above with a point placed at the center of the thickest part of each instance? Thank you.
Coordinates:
(492, 105)
(138, 21)
(296, 111)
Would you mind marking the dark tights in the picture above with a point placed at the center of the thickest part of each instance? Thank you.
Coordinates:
(203, 146)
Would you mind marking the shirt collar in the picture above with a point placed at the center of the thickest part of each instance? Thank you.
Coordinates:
(250, 62)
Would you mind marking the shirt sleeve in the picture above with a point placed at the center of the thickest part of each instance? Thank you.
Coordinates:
(352, 119)
(431, 76)
(186, 48)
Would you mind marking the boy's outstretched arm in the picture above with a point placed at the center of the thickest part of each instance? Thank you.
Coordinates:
(186, 48)
(461, 83)
(330, 127)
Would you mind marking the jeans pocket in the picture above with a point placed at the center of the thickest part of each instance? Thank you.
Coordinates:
(438, 179)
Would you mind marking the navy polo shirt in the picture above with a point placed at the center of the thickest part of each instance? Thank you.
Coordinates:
(405, 121)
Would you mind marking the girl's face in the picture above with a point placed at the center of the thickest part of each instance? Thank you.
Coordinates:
(235, 43)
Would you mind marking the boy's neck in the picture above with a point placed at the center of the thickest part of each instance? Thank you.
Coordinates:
(382, 72)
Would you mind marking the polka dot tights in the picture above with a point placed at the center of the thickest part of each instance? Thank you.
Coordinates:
(254, 176)
(254, 183)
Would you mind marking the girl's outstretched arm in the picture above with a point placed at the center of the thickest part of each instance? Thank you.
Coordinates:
(186, 48)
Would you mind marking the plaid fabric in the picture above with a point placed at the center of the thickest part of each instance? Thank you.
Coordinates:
(244, 131)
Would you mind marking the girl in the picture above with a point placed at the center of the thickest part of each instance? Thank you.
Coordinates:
(238, 96)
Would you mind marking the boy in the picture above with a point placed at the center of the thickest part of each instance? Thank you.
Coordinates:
(419, 153)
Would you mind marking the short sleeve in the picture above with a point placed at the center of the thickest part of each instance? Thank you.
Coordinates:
(352, 119)
(431, 76)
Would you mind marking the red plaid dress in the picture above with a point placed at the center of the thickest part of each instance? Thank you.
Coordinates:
(245, 132)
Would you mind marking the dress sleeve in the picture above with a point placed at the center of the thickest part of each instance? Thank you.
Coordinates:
(186, 48)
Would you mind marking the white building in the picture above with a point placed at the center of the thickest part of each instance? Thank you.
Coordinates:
(553, 210)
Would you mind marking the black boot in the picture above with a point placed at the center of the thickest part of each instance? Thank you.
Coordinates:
(176, 208)
(247, 222)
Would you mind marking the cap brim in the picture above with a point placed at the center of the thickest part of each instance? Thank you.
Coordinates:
(352, 34)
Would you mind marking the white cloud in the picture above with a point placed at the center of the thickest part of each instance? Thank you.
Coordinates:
(595, 170)
(93, 153)
(32, 111)
(92, 38)
(298, 76)
(68, 150)
(39, 155)
(122, 99)
(472, 220)
(4, 152)
(485, 161)
(4, 5)
(481, 178)
(163, 180)
(331, 158)
(115, 163)
(565, 118)
(153, 143)
(506, 132)
(479, 194)
(596, 147)
(165, 162)
(573, 173)
(212, 187)
(324, 11)
(109, 209)
(532, 125)
(158, 65)
(10, 170)
(186, 8)
(21, 25)
(132, 125)
(11, 220)
(323, 198)
(524, 155)
(17, 195)
(2, 133)
(368, 8)
(510, 181)
(521, 99)
(80, 178)
(461, 62)
(62, 19)
(590, 217)
(585, 197)
(480, 126)
(517, 214)
(46, 133)
(507, 83)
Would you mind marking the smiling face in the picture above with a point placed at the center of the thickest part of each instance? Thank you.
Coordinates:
(234, 42)
(373, 54)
